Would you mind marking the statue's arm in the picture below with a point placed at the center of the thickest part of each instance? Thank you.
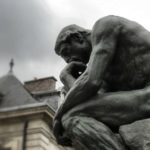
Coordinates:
(67, 79)
(70, 73)
(104, 39)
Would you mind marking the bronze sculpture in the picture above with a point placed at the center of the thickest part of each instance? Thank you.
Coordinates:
(112, 90)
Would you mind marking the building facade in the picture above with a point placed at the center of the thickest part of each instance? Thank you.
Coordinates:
(26, 114)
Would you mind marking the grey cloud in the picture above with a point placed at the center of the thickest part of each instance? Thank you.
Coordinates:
(27, 32)
(24, 29)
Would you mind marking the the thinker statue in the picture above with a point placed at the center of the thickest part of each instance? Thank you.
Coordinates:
(107, 78)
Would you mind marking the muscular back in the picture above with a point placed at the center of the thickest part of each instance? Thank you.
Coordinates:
(130, 65)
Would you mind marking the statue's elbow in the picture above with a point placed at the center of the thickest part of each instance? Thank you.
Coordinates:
(63, 76)
(93, 84)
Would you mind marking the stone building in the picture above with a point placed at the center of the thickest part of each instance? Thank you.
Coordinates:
(26, 113)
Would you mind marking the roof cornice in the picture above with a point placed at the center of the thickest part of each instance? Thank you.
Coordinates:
(27, 113)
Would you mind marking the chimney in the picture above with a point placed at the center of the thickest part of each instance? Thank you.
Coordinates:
(41, 85)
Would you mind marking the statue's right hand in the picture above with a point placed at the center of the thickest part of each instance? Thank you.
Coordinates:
(74, 69)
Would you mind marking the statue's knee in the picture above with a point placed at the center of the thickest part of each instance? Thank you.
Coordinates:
(69, 122)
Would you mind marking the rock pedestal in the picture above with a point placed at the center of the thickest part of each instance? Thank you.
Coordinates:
(136, 135)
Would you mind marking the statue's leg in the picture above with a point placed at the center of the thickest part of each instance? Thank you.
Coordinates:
(116, 109)
(93, 134)
(83, 122)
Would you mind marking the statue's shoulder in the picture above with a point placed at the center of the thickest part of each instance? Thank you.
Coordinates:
(107, 23)
(110, 20)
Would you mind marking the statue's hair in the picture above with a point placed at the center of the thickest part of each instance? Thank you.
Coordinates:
(67, 32)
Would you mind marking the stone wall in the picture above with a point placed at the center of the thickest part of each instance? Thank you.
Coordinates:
(39, 136)
(31, 126)
(11, 135)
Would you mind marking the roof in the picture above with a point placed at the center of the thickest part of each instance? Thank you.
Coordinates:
(51, 77)
(49, 97)
(14, 93)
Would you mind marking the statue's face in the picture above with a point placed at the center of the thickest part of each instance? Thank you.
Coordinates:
(75, 51)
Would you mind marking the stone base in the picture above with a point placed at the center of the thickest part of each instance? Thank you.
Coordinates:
(136, 135)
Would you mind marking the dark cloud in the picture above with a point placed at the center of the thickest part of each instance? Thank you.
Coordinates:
(27, 33)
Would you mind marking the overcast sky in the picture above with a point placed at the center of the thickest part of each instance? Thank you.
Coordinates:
(28, 30)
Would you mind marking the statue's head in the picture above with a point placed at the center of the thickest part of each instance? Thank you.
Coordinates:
(73, 44)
